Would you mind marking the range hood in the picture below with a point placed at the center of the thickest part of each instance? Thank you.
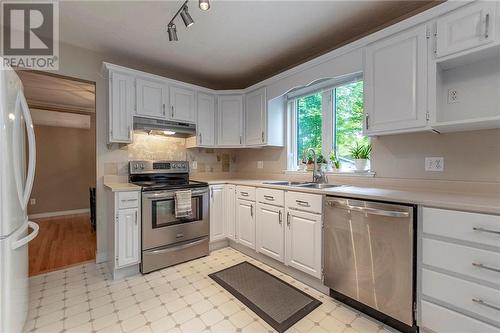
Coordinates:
(164, 127)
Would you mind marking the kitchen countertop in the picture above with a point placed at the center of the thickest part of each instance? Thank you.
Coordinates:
(121, 187)
(472, 202)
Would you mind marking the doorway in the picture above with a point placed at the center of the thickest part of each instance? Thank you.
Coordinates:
(62, 201)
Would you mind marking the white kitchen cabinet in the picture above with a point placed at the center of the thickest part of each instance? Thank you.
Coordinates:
(230, 211)
(245, 220)
(121, 105)
(182, 104)
(395, 83)
(270, 233)
(230, 120)
(206, 120)
(255, 117)
(151, 98)
(465, 28)
(217, 213)
(303, 241)
(127, 237)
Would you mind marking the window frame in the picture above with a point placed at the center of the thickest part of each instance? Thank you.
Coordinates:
(328, 116)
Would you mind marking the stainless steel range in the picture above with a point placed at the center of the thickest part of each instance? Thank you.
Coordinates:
(166, 239)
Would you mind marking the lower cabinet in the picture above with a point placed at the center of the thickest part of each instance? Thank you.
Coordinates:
(270, 234)
(245, 220)
(217, 212)
(303, 242)
(127, 237)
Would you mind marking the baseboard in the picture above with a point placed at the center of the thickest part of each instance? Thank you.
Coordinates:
(59, 213)
(218, 244)
(101, 257)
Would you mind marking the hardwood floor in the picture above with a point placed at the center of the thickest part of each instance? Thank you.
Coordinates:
(62, 241)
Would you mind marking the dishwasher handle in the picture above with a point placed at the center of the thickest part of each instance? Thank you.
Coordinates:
(366, 210)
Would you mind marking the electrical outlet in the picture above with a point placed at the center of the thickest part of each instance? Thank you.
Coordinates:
(33, 201)
(452, 96)
(194, 165)
(260, 164)
(434, 164)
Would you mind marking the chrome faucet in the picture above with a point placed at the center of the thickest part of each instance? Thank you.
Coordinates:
(319, 176)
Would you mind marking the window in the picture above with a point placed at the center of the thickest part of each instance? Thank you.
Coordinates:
(327, 119)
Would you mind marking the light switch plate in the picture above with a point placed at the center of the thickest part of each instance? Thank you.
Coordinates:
(194, 165)
(260, 164)
(434, 164)
(32, 201)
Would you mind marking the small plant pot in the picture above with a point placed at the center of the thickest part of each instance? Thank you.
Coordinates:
(361, 164)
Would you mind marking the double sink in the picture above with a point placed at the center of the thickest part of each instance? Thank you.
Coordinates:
(302, 184)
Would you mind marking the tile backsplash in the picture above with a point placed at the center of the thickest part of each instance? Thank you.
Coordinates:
(156, 147)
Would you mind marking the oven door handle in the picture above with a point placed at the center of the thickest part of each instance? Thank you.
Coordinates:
(175, 248)
(170, 195)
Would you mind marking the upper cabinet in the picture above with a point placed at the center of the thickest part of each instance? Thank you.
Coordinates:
(182, 104)
(151, 98)
(465, 28)
(230, 120)
(121, 105)
(255, 112)
(395, 78)
(206, 120)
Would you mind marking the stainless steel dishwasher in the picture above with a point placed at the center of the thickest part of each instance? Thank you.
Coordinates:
(369, 258)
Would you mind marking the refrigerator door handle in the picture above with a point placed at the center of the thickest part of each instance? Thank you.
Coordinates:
(25, 240)
(24, 194)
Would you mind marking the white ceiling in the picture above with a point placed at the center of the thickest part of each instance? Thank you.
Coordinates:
(234, 44)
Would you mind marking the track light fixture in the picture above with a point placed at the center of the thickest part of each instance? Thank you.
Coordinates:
(186, 18)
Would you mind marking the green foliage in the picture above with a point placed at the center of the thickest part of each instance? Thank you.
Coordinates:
(335, 161)
(309, 124)
(361, 151)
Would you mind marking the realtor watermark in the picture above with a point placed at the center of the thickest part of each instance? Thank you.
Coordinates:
(30, 34)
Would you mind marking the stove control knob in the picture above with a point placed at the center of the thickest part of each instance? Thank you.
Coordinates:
(142, 166)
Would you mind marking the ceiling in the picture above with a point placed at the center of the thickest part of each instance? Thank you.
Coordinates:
(233, 45)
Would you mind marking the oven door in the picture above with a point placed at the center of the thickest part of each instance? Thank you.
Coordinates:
(160, 227)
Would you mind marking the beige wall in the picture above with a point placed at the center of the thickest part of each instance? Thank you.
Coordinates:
(64, 169)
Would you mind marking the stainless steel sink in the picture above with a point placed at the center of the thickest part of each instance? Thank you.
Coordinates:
(285, 183)
(318, 186)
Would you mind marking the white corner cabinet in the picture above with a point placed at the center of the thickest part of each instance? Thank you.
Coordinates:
(124, 232)
(230, 120)
(460, 271)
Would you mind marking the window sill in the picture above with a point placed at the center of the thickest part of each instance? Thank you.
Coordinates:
(343, 173)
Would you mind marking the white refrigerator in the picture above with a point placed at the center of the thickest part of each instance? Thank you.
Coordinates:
(17, 171)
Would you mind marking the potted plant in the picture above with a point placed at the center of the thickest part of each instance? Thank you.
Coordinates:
(321, 161)
(361, 155)
(334, 161)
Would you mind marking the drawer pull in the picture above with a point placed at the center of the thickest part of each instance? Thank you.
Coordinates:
(483, 303)
(128, 200)
(245, 194)
(268, 197)
(302, 203)
(479, 265)
(486, 230)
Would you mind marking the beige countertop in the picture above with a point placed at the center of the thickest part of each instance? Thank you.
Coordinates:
(121, 187)
(482, 203)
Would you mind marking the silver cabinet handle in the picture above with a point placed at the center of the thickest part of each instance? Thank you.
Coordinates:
(245, 194)
(483, 303)
(262, 136)
(136, 218)
(164, 112)
(251, 210)
(288, 219)
(480, 229)
(172, 111)
(280, 217)
(268, 197)
(128, 200)
(367, 121)
(486, 25)
(200, 137)
(129, 131)
(302, 203)
(212, 192)
(479, 265)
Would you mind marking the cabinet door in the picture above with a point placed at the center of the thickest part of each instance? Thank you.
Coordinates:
(216, 212)
(466, 28)
(127, 237)
(121, 97)
(245, 216)
(303, 242)
(230, 116)
(396, 83)
(255, 117)
(230, 211)
(182, 104)
(270, 234)
(151, 98)
(206, 119)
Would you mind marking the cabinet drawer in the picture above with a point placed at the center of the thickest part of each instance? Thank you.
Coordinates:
(272, 197)
(442, 320)
(462, 294)
(128, 200)
(245, 192)
(462, 259)
(304, 201)
(472, 227)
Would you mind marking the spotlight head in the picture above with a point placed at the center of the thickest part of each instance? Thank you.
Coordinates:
(188, 20)
(172, 32)
(204, 4)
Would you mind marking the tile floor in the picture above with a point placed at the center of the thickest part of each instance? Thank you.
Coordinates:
(176, 299)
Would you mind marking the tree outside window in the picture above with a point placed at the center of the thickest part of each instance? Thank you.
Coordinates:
(309, 117)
